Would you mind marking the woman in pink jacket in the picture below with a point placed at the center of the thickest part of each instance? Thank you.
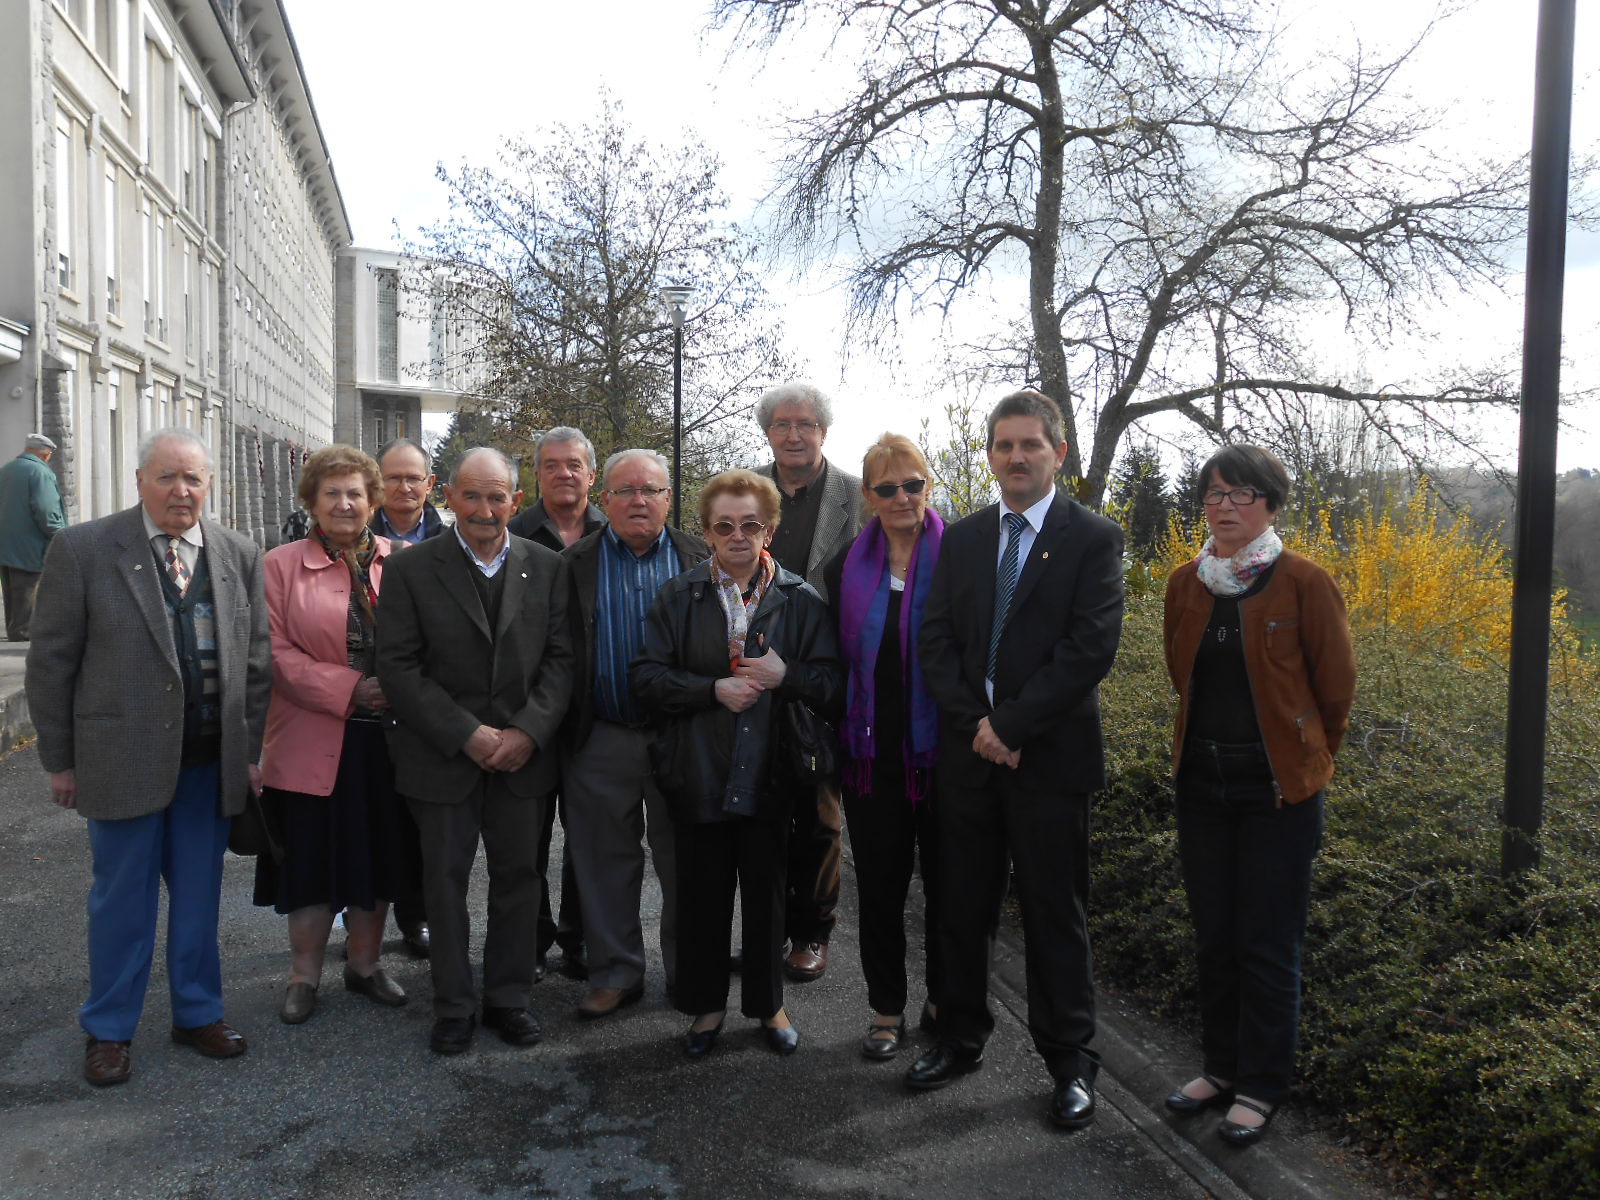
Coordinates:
(325, 764)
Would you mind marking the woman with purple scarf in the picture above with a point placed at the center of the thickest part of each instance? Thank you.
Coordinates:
(879, 585)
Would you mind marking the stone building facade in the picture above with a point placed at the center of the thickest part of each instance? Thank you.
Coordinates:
(171, 257)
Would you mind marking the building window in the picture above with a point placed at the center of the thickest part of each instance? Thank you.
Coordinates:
(388, 326)
(156, 281)
(113, 246)
(105, 32)
(157, 110)
(64, 206)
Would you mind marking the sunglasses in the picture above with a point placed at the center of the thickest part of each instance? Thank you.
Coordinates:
(912, 487)
(751, 529)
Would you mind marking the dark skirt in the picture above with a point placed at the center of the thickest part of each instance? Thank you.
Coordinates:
(355, 848)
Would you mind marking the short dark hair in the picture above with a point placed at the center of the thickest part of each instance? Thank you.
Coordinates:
(411, 443)
(1246, 466)
(1029, 403)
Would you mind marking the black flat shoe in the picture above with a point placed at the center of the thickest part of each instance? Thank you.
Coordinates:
(516, 1026)
(882, 1042)
(377, 987)
(940, 1066)
(1072, 1106)
(416, 939)
(782, 1041)
(1186, 1105)
(1236, 1134)
(698, 1045)
(451, 1035)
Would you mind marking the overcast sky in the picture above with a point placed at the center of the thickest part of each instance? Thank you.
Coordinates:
(402, 85)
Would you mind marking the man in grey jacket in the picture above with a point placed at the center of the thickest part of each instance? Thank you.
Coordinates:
(31, 513)
(820, 516)
(148, 681)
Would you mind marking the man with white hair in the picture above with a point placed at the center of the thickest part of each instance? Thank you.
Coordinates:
(820, 508)
(31, 513)
(612, 799)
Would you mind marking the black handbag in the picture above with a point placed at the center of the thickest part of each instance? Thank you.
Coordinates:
(258, 829)
(807, 745)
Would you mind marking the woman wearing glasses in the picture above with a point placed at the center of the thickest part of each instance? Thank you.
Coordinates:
(726, 644)
(878, 586)
(1258, 646)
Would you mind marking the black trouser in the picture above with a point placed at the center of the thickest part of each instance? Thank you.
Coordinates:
(566, 930)
(1247, 870)
(1046, 836)
(712, 859)
(887, 836)
(18, 587)
(814, 859)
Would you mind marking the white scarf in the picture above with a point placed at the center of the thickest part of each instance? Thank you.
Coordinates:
(1233, 576)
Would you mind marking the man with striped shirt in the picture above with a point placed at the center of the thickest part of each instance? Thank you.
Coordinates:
(611, 797)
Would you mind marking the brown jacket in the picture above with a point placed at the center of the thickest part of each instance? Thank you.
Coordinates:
(1299, 659)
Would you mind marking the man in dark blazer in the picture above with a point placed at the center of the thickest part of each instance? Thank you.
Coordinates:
(612, 803)
(476, 663)
(1022, 624)
(820, 514)
(148, 680)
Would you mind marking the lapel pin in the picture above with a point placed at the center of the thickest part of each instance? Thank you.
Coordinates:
(524, 574)
(1045, 555)
(138, 566)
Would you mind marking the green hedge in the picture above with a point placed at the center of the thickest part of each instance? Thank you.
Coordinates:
(1451, 1020)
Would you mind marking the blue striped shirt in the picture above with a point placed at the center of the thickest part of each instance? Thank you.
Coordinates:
(628, 585)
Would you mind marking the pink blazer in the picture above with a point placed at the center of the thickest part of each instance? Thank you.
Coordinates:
(308, 601)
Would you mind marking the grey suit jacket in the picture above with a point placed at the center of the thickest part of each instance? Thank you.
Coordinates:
(444, 675)
(104, 688)
(838, 520)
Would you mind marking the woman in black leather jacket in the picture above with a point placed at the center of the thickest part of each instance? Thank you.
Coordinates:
(725, 646)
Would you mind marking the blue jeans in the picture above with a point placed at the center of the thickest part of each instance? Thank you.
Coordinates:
(183, 845)
(1247, 871)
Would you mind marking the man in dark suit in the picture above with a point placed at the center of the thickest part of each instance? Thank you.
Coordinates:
(1022, 623)
(820, 509)
(612, 803)
(475, 660)
(148, 681)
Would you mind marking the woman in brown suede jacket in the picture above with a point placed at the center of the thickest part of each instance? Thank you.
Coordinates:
(1258, 646)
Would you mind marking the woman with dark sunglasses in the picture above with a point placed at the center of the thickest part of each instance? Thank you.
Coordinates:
(726, 645)
(877, 587)
(1259, 649)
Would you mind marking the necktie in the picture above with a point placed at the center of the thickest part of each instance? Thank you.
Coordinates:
(175, 568)
(1005, 585)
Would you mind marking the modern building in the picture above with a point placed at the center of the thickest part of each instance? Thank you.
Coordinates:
(171, 223)
(407, 345)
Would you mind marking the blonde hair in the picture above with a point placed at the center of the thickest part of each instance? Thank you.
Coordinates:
(741, 483)
(888, 448)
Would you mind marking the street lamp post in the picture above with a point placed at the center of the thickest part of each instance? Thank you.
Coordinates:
(676, 298)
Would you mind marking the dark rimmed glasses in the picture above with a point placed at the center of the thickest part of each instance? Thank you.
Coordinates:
(1241, 497)
(886, 491)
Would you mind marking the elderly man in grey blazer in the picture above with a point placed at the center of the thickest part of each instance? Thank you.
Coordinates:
(476, 663)
(148, 680)
(820, 508)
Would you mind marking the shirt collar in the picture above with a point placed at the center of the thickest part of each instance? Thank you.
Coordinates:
(1034, 514)
(192, 535)
(616, 543)
(489, 569)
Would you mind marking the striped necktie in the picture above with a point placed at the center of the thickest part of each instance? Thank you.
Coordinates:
(175, 568)
(1005, 585)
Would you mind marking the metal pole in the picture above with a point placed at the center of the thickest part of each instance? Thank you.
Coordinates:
(1536, 469)
(677, 423)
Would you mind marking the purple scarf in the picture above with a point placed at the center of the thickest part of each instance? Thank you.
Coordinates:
(863, 613)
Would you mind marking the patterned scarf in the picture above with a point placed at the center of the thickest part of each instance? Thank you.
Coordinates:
(358, 560)
(739, 610)
(1233, 576)
(863, 613)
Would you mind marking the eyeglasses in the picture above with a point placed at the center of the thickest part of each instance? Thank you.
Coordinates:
(1241, 497)
(886, 491)
(785, 428)
(627, 494)
(751, 529)
(405, 481)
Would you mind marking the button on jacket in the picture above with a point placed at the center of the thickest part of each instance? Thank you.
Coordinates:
(1299, 659)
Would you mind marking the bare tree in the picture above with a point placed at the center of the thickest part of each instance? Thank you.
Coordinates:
(1180, 206)
(556, 254)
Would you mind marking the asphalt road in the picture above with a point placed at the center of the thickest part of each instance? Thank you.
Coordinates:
(353, 1104)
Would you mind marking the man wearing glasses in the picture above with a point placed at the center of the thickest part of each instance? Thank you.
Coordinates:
(612, 801)
(820, 511)
(406, 517)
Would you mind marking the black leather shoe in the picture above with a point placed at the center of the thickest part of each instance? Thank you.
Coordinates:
(882, 1042)
(1186, 1105)
(782, 1041)
(698, 1045)
(1072, 1107)
(451, 1035)
(377, 987)
(416, 939)
(1236, 1134)
(940, 1066)
(575, 963)
(516, 1026)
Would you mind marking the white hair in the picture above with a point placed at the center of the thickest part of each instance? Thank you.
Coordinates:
(622, 456)
(794, 393)
(147, 444)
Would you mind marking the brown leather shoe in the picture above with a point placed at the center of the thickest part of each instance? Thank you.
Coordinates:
(106, 1063)
(602, 1002)
(216, 1040)
(806, 962)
